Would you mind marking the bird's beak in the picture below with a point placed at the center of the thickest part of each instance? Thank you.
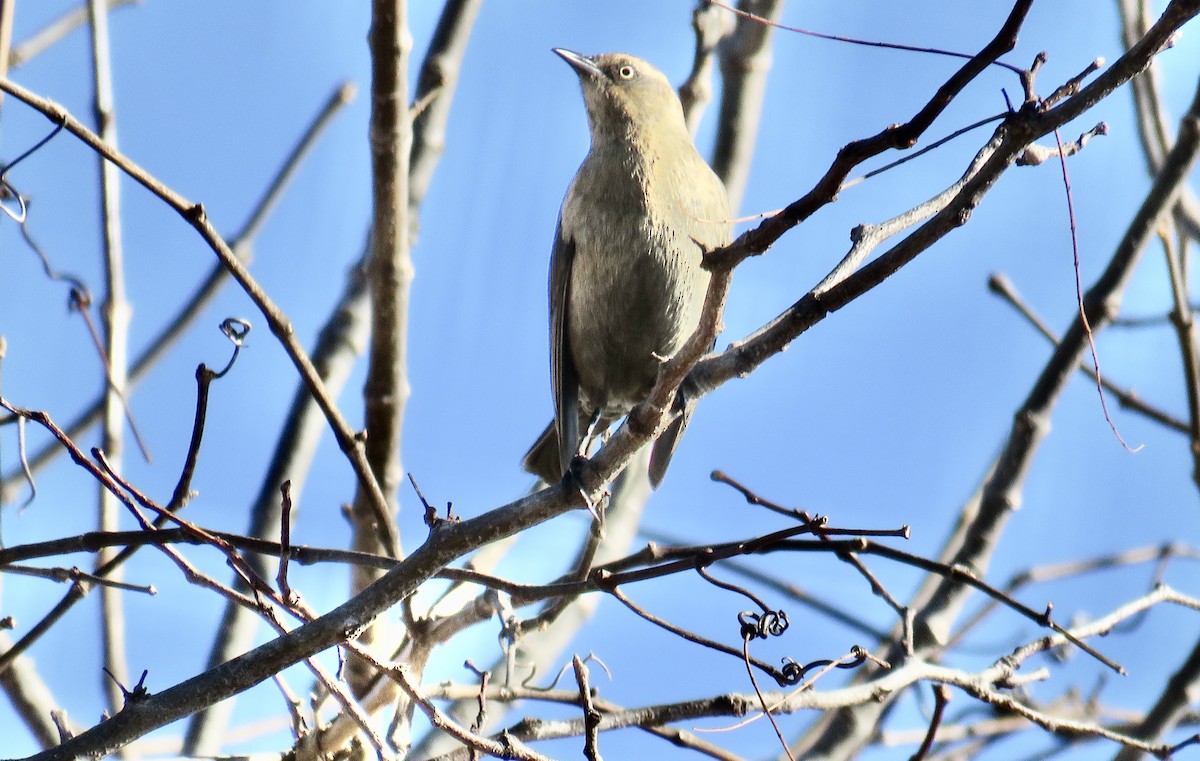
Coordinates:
(583, 66)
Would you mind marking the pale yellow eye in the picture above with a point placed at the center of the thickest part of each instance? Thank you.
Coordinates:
(626, 72)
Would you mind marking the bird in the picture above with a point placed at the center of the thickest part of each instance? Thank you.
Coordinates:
(626, 281)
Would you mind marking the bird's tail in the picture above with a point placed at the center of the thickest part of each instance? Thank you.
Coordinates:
(664, 447)
(542, 459)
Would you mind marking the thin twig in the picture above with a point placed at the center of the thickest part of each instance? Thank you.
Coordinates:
(852, 41)
(1083, 317)
(763, 701)
(1175, 250)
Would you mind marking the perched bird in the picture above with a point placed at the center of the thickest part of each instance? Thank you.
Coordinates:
(626, 285)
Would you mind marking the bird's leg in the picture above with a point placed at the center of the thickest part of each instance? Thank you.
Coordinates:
(573, 478)
(589, 433)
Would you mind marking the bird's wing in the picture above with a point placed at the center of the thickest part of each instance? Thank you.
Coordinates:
(563, 375)
(708, 224)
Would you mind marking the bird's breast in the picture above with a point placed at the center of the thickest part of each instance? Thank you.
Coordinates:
(636, 289)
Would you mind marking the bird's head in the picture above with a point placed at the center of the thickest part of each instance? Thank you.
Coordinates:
(625, 95)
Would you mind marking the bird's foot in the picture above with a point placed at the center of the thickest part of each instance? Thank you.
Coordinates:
(573, 480)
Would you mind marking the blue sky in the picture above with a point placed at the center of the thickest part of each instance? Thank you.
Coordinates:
(886, 413)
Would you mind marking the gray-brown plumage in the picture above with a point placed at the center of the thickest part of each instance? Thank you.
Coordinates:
(626, 286)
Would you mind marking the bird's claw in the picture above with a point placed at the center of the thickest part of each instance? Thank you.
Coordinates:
(573, 480)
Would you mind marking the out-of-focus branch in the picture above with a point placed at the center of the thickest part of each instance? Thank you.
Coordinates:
(436, 85)
(1153, 132)
(1172, 706)
(390, 273)
(53, 32)
(1184, 322)
(1003, 287)
(1160, 554)
(30, 697)
(1174, 700)
(115, 314)
(711, 26)
(745, 60)
(7, 9)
